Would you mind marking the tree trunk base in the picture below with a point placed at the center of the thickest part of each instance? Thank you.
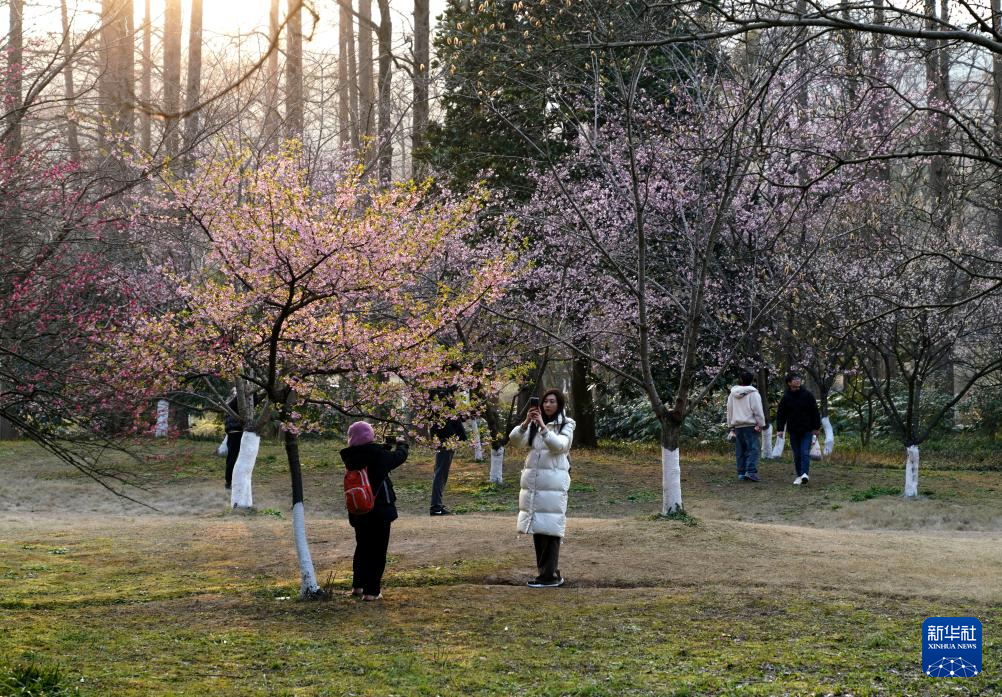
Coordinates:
(315, 595)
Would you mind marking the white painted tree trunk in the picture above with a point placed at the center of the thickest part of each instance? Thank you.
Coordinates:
(478, 446)
(240, 493)
(308, 587)
(671, 482)
(767, 443)
(497, 465)
(829, 445)
(163, 413)
(911, 471)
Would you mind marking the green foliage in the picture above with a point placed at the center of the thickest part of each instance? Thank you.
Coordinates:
(985, 413)
(679, 516)
(207, 425)
(873, 492)
(633, 420)
(31, 679)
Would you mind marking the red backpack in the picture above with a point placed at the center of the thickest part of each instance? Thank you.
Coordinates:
(358, 496)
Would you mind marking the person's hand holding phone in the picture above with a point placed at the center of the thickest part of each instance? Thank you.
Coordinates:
(533, 413)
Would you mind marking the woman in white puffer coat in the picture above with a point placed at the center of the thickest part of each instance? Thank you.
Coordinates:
(546, 478)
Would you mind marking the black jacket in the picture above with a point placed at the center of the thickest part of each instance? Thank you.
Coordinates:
(232, 424)
(453, 427)
(380, 461)
(798, 412)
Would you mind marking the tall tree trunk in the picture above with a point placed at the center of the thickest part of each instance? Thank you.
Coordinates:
(15, 62)
(422, 59)
(345, 35)
(127, 57)
(294, 70)
(911, 471)
(356, 122)
(366, 96)
(584, 405)
(763, 390)
(309, 589)
(172, 75)
(116, 82)
(385, 84)
(272, 116)
(241, 491)
(72, 132)
(193, 92)
(671, 472)
(937, 82)
(997, 114)
(146, 90)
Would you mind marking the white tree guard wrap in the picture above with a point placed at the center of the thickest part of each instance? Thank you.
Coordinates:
(309, 586)
(826, 424)
(240, 493)
(767, 443)
(478, 446)
(911, 471)
(223, 450)
(163, 413)
(497, 465)
(671, 481)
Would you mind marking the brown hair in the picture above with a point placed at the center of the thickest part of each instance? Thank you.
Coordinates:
(561, 401)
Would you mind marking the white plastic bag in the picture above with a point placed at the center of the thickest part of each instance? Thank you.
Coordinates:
(777, 449)
(815, 448)
(222, 450)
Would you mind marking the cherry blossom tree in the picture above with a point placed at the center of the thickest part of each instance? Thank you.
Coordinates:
(672, 235)
(312, 293)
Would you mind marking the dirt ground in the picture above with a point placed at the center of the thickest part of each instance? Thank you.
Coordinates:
(945, 545)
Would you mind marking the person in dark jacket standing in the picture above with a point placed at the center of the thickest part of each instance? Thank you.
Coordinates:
(372, 530)
(453, 428)
(798, 416)
(234, 428)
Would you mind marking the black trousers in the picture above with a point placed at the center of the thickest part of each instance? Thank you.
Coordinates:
(372, 538)
(232, 450)
(547, 557)
(443, 463)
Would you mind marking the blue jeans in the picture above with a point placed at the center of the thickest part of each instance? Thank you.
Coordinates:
(746, 447)
(800, 443)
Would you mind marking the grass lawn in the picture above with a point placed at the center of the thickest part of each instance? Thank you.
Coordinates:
(767, 590)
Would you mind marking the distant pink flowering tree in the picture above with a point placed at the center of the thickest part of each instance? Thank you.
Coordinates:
(673, 233)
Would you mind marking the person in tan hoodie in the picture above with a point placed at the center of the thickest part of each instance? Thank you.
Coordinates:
(746, 419)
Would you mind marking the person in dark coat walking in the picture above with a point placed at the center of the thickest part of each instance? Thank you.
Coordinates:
(453, 428)
(372, 530)
(234, 428)
(798, 415)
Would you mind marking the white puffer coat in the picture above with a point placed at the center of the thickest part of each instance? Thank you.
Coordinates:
(542, 502)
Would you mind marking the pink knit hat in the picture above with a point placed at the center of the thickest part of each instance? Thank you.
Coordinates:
(360, 433)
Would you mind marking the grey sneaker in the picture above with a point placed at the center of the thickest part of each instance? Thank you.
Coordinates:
(752, 477)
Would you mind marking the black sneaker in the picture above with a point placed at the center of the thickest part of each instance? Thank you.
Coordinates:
(752, 477)
(546, 584)
(440, 511)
